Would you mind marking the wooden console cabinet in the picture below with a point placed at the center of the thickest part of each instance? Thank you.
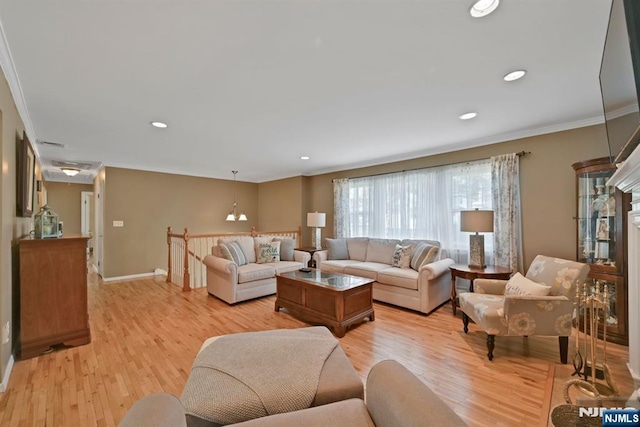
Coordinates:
(53, 294)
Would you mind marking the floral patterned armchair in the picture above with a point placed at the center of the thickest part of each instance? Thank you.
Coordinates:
(524, 315)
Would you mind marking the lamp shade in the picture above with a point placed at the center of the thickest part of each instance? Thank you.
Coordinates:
(315, 219)
(476, 221)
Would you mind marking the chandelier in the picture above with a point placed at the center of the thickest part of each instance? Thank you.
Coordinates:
(233, 215)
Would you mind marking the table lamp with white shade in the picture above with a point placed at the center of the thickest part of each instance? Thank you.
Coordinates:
(476, 221)
(317, 220)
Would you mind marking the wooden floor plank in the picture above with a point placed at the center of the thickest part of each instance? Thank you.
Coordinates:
(146, 333)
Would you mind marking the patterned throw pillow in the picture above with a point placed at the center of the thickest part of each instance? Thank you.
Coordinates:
(520, 285)
(401, 257)
(423, 254)
(268, 252)
(233, 252)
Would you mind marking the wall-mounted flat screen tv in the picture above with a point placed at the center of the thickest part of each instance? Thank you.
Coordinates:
(620, 78)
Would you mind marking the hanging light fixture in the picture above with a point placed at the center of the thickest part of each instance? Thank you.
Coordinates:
(233, 215)
(70, 171)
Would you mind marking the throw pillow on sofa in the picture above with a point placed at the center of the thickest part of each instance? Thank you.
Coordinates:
(268, 252)
(520, 285)
(233, 252)
(336, 249)
(423, 254)
(401, 257)
(286, 248)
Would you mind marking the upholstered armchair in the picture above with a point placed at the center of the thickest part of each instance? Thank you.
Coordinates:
(540, 303)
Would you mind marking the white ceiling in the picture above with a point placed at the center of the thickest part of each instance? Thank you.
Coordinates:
(252, 85)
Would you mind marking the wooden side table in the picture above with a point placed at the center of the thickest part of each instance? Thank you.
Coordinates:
(471, 273)
(312, 251)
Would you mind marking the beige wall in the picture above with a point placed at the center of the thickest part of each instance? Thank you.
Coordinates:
(13, 227)
(546, 176)
(281, 204)
(149, 202)
(65, 200)
(158, 200)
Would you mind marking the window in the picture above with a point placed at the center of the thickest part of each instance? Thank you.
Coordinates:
(421, 204)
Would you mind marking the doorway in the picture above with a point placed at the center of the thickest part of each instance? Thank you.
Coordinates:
(87, 225)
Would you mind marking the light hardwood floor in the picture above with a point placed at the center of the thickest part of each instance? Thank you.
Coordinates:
(146, 333)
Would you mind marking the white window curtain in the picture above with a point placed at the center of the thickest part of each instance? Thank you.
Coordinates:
(421, 204)
(507, 234)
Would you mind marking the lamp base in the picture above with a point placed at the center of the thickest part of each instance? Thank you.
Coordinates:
(476, 251)
(316, 239)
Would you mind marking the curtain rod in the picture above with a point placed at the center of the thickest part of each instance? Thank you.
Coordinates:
(519, 154)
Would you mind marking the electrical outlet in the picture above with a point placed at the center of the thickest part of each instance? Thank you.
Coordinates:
(118, 223)
(5, 333)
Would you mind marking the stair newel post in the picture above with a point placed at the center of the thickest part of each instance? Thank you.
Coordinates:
(187, 277)
(169, 255)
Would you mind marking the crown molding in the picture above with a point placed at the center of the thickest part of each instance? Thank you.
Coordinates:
(10, 73)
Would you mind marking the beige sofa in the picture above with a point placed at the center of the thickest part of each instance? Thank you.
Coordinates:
(394, 397)
(233, 283)
(423, 288)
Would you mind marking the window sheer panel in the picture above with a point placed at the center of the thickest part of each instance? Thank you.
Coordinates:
(421, 204)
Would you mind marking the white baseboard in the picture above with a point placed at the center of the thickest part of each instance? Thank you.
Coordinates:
(7, 373)
(129, 277)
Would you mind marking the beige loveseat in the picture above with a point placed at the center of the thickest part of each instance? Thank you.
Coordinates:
(394, 397)
(234, 281)
(423, 287)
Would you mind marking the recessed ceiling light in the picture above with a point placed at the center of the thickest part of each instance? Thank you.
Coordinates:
(160, 125)
(514, 75)
(467, 116)
(483, 7)
(304, 157)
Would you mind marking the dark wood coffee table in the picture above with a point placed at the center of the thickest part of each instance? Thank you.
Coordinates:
(331, 299)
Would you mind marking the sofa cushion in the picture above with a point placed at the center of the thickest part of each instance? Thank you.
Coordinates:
(337, 249)
(365, 269)
(351, 412)
(400, 277)
(287, 266)
(233, 252)
(423, 254)
(357, 247)
(268, 252)
(287, 247)
(253, 271)
(381, 250)
(520, 285)
(338, 265)
(402, 256)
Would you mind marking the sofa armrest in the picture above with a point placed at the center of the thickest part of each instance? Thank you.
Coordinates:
(302, 256)
(489, 286)
(436, 269)
(321, 256)
(221, 264)
(156, 410)
(396, 397)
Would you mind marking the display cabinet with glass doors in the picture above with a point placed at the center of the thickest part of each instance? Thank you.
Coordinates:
(601, 232)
